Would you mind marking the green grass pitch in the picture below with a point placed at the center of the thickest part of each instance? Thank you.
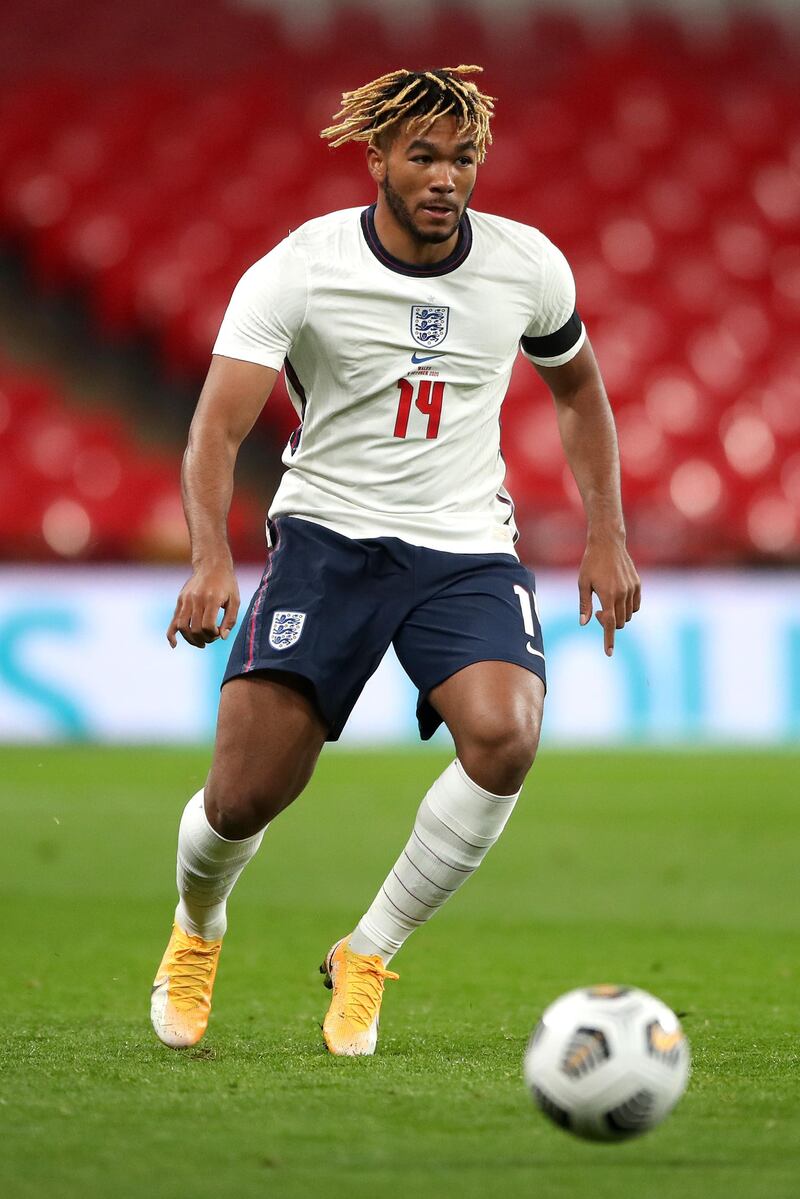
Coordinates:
(675, 872)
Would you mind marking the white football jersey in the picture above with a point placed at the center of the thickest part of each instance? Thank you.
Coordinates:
(398, 372)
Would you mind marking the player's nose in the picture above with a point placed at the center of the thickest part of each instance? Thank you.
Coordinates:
(443, 180)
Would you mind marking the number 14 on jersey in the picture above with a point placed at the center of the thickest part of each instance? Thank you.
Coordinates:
(428, 401)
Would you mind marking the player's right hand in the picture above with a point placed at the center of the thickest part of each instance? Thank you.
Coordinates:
(196, 617)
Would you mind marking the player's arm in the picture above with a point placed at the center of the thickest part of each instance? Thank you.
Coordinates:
(232, 397)
(589, 437)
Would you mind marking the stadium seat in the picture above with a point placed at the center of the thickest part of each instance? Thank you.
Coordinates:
(78, 484)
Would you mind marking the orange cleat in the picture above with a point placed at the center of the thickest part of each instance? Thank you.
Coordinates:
(181, 997)
(350, 1028)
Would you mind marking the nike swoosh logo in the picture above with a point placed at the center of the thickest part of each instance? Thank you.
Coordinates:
(531, 650)
(417, 358)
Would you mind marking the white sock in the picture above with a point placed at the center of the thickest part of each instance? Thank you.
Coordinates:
(208, 867)
(456, 825)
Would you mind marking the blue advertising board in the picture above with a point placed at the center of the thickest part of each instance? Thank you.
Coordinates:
(711, 658)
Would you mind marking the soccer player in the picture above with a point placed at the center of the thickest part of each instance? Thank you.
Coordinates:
(397, 327)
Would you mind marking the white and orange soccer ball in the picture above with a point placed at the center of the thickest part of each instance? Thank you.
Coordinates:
(607, 1063)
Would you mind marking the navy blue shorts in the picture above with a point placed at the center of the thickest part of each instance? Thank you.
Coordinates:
(328, 607)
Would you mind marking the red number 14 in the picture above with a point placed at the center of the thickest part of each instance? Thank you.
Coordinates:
(428, 402)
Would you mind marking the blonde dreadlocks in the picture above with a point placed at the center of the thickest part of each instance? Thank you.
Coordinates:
(417, 98)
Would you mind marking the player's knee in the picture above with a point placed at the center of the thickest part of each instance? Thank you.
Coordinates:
(236, 811)
(499, 750)
(513, 746)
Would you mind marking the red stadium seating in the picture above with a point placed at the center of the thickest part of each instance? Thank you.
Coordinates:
(148, 154)
(79, 485)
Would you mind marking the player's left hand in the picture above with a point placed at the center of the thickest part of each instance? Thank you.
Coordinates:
(607, 570)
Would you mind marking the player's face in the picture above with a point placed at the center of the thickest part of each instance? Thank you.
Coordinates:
(427, 180)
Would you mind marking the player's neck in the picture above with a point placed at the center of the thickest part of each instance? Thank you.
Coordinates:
(402, 244)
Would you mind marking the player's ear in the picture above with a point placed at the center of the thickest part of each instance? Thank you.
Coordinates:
(376, 163)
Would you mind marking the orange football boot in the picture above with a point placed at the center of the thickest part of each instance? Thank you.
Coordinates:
(350, 1028)
(181, 997)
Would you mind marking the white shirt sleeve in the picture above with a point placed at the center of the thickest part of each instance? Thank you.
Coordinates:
(556, 332)
(267, 309)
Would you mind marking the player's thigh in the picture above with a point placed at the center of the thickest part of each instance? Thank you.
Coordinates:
(269, 736)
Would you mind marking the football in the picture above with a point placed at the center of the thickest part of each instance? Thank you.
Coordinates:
(607, 1063)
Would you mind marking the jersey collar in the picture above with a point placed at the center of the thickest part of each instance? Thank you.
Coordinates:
(428, 270)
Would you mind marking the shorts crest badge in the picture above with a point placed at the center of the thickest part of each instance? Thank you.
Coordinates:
(286, 628)
(429, 325)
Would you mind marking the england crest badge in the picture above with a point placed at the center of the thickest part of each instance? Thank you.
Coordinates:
(285, 629)
(429, 325)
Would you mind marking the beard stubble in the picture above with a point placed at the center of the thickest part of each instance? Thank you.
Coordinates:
(400, 211)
